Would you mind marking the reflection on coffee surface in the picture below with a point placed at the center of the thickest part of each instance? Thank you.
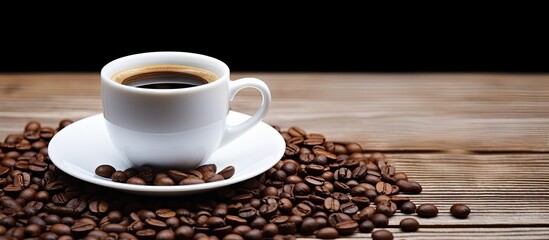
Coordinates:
(165, 76)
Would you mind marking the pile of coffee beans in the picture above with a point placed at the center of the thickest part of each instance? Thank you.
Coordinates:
(319, 188)
(147, 175)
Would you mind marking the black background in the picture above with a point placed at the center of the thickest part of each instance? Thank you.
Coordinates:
(411, 43)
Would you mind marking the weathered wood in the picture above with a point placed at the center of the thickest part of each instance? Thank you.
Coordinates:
(477, 112)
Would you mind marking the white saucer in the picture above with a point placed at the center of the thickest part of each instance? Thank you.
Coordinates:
(82, 146)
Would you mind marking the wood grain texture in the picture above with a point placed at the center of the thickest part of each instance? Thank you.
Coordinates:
(479, 139)
(480, 112)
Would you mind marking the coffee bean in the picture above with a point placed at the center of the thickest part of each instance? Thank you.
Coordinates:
(460, 211)
(382, 235)
(408, 208)
(33, 230)
(145, 233)
(386, 208)
(331, 204)
(427, 211)
(233, 220)
(336, 218)
(233, 236)
(119, 176)
(136, 180)
(379, 220)
(146, 173)
(191, 180)
(327, 233)
(343, 174)
(302, 210)
(207, 168)
(270, 230)
(242, 229)
(184, 232)
(227, 172)
(346, 228)
(131, 172)
(166, 234)
(105, 170)
(98, 206)
(254, 234)
(366, 226)
(409, 225)
(410, 187)
(350, 208)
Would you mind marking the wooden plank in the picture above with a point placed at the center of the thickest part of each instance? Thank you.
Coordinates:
(392, 112)
(515, 233)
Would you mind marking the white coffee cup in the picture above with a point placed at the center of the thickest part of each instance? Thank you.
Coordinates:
(174, 128)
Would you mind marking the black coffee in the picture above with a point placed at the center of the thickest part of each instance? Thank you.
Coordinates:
(164, 77)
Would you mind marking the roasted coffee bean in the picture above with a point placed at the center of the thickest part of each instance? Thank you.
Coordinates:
(346, 228)
(184, 232)
(254, 234)
(155, 223)
(314, 169)
(258, 223)
(379, 220)
(382, 235)
(33, 230)
(131, 172)
(410, 187)
(165, 213)
(366, 226)
(343, 174)
(231, 220)
(341, 187)
(384, 188)
(98, 206)
(341, 197)
(113, 227)
(136, 180)
(291, 149)
(166, 234)
(164, 181)
(105, 170)
(409, 225)
(361, 202)
(331, 204)
(296, 132)
(146, 173)
(327, 233)
(301, 189)
(386, 208)
(119, 176)
(302, 210)
(308, 226)
(408, 208)
(270, 230)
(460, 211)
(145, 233)
(350, 208)
(227, 172)
(242, 229)
(207, 168)
(233, 236)
(336, 218)
(427, 211)
(21, 180)
(191, 180)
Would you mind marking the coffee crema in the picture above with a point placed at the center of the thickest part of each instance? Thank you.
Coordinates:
(165, 76)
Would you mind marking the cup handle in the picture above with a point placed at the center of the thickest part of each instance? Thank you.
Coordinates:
(234, 131)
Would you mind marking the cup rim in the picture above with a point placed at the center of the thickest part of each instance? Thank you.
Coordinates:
(107, 78)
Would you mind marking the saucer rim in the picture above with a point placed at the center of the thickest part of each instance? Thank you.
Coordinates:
(176, 189)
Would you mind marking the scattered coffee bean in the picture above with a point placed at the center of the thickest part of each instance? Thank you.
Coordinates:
(366, 226)
(409, 225)
(105, 170)
(382, 235)
(460, 211)
(327, 233)
(427, 211)
(408, 208)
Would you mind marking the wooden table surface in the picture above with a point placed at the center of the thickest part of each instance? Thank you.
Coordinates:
(479, 139)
